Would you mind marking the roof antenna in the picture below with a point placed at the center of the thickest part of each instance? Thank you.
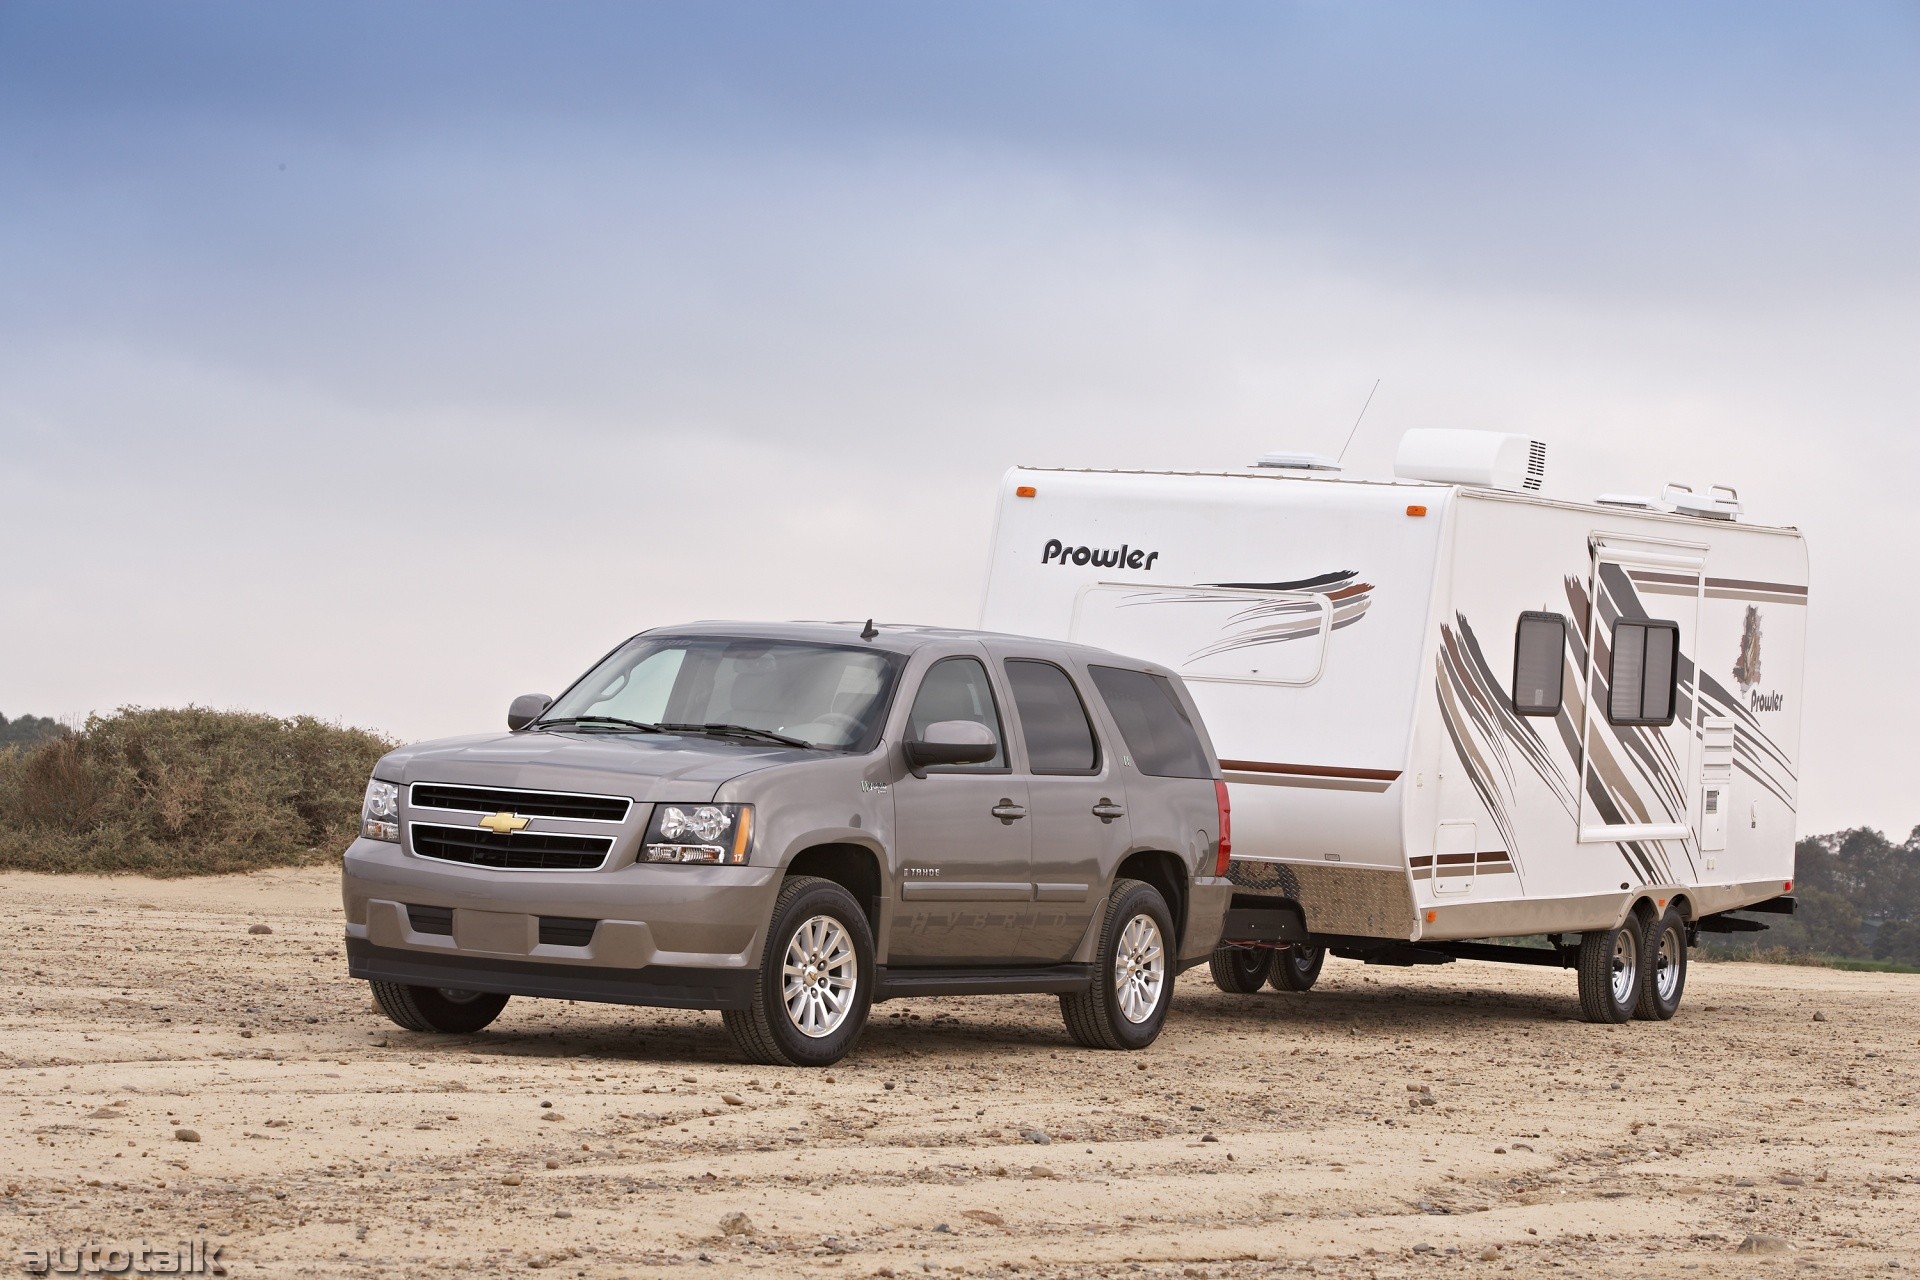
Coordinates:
(1356, 423)
(869, 631)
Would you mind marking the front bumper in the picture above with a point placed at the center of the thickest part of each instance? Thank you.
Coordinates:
(681, 936)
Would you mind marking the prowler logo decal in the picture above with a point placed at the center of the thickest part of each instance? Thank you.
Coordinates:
(1746, 667)
(1127, 557)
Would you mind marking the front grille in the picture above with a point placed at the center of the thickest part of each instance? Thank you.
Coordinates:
(566, 931)
(430, 919)
(521, 851)
(528, 804)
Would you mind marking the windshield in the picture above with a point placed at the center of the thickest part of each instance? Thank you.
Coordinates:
(822, 695)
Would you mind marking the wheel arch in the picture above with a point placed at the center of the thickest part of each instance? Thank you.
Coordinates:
(854, 867)
(1165, 872)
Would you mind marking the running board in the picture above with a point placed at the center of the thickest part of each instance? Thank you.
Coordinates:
(1052, 979)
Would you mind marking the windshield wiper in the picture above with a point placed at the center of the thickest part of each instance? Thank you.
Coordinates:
(740, 731)
(630, 724)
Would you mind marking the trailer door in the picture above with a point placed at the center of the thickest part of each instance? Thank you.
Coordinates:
(1638, 766)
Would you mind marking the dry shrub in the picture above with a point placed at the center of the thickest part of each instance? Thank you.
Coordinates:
(184, 791)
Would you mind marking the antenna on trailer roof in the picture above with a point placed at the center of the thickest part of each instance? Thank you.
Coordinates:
(869, 631)
(1356, 423)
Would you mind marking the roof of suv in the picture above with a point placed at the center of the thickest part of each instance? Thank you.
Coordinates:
(898, 637)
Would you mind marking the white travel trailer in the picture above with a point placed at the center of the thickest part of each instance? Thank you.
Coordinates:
(1450, 709)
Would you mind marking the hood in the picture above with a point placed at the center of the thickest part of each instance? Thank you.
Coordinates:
(648, 767)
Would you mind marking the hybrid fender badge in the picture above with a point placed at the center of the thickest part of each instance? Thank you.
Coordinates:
(502, 823)
(1126, 557)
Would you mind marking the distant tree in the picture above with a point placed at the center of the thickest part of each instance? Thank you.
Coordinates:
(29, 731)
(1831, 922)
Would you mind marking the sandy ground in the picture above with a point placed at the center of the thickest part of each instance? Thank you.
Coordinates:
(1262, 1135)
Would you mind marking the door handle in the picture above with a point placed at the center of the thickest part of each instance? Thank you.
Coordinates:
(1009, 812)
(1107, 810)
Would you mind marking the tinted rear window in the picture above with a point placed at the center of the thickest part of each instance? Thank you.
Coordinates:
(1159, 735)
(1059, 739)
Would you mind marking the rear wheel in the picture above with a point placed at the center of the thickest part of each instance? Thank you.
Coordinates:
(1239, 970)
(1296, 967)
(1666, 968)
(1133, 981)
(1610, 971)
(815, 984)
(437, 1008)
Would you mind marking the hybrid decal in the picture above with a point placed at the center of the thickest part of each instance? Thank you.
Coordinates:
(1127, 557)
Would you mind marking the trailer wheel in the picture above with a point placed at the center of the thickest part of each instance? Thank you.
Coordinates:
(1239, 970)
(1666, 978)
(1296, 967)
(437, 1008)
(1610, 978)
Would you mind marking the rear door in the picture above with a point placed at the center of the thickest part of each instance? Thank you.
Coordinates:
(1078, 805)
(963, 844)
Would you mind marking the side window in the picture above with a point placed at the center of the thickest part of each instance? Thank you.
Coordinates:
(1539, 646)
(1053, 721)
(1645, 669)
(1159, 736)
(957, 689)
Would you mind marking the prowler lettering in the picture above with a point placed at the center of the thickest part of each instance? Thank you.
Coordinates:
(1107, 558)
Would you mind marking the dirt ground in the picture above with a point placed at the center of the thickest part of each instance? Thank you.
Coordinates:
(1393, 1122)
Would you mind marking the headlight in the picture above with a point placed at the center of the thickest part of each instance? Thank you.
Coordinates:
(708, 833)
(380, 811)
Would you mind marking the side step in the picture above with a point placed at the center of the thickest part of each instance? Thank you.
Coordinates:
(1052, 979)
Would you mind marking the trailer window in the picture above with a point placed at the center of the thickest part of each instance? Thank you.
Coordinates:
(1539, 649)
(1052, 719)
(1154, 723)
(1646, 666)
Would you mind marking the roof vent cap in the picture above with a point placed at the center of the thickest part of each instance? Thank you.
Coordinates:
(1637, 501)
(1483, 459)
(1288, 460)
(1719, 502)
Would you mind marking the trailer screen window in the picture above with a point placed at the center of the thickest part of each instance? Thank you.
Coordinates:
(1159, 736)
(1645, 672)
(1539, 648)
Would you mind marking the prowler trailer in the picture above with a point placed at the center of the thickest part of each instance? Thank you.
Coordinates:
(1451, 710)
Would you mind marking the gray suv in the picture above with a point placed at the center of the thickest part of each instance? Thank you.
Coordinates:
(788, 822)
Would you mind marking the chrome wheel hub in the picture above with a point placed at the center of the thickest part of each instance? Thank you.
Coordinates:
(1666, 965)
(1139, 969)
(1626, 966)
(818, 977)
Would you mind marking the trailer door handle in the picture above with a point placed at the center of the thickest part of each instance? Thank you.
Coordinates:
(1009, 812)
(1107, 810)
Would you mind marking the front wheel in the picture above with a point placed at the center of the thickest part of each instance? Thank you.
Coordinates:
(1610, 971)
(1296, 967)
(815, 983)
(1239, 970)
(437, 1008)
(1666, 980)
(1132, 988)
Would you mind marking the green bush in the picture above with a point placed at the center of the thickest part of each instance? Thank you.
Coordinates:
(184, 792)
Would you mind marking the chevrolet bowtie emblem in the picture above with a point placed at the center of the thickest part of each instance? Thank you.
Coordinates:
(501, 823)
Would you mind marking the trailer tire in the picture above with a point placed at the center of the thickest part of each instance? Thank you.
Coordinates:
(1665, 979)
(437, 1009)
(1296, 967)
(1611, 971)
(1132, 988)
(1238, 970)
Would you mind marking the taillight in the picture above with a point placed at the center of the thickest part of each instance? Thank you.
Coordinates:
(1226, 828)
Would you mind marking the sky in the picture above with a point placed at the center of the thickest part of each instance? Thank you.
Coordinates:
(384, 361)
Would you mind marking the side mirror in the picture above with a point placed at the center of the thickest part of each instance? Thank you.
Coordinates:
(526, 709)
(953, 742)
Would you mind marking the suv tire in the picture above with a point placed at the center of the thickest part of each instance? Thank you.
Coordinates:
(437, 1008)
(1132, 976)
(811, 1016)
(1239, 970)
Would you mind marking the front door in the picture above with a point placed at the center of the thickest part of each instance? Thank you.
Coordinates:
(963, 841)
(1080, 828)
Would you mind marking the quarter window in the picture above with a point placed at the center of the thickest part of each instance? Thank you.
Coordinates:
(1052, 719)
(957, 689)
(1153, 722)
(1538, 648)
(1645, 672)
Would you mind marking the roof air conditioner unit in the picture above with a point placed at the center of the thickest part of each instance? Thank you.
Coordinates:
(1483, 459)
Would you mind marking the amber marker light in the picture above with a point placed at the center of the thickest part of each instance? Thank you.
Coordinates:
(1025, 491)
(1416, 510)
(743, 834)
(1432, 916)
